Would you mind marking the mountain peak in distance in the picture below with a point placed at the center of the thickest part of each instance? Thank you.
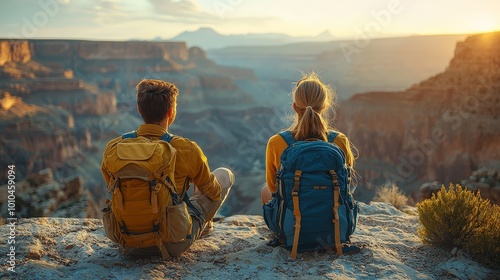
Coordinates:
(326, 34)
(207, 38)
(202, 31)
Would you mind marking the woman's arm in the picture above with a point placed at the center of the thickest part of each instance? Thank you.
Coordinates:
(343, 142)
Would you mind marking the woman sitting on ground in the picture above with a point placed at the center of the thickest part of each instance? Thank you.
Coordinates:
(312, 100)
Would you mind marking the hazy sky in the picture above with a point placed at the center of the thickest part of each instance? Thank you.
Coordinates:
(146, 19)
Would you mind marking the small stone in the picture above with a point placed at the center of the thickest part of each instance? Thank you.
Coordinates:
(35, 251)
(454, 252)
(34, 255)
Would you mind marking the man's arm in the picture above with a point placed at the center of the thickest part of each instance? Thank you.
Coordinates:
(203, 179)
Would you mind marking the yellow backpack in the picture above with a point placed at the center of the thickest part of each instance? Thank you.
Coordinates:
(146, 209)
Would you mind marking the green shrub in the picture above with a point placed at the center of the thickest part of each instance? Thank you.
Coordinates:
(460, 218)
(390, 193)
(485, 245)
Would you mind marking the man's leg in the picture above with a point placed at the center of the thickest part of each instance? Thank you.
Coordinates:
(207, 207)
(204, 204)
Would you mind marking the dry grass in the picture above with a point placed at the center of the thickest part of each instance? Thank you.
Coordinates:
(390, 193)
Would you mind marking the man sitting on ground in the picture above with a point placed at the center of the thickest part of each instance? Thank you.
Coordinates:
(157, 104)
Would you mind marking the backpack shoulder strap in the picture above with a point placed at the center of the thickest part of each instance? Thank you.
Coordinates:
(132, 134)
(288, 137)
(332, 135)
(167, 137)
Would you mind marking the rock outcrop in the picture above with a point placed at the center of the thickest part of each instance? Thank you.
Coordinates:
(486, 180)
(196, 53)
(439, 129)
(40, 195)
(14, 51)
(22, 74)
(35, 137)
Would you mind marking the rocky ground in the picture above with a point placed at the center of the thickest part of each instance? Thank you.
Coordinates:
(58, 248)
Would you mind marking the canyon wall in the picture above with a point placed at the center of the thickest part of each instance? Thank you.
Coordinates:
(117, 67)
(66, 51)
(440, 129)
(22, 74)
(62, 100)
(77, 95)
(35, 137)
(14, 51)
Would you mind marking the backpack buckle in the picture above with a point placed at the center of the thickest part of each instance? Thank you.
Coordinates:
(156, 226)
(123, 229)
(153, 186)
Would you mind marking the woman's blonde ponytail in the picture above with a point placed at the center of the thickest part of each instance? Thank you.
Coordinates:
(312, 99)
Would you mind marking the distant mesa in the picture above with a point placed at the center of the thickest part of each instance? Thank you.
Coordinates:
(208, 38)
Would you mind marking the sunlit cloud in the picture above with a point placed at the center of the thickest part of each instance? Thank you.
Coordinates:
(124, 19)
(175, 7)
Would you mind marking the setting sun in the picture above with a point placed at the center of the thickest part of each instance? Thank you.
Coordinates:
(484, 24)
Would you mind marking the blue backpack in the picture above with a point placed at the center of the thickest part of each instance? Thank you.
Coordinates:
(313, 207)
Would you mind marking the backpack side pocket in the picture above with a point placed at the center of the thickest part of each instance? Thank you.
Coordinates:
(353, 218)
(271, 213)
(110, 225)
(177, 225)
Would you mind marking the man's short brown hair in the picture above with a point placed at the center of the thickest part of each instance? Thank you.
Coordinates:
(155, 98)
